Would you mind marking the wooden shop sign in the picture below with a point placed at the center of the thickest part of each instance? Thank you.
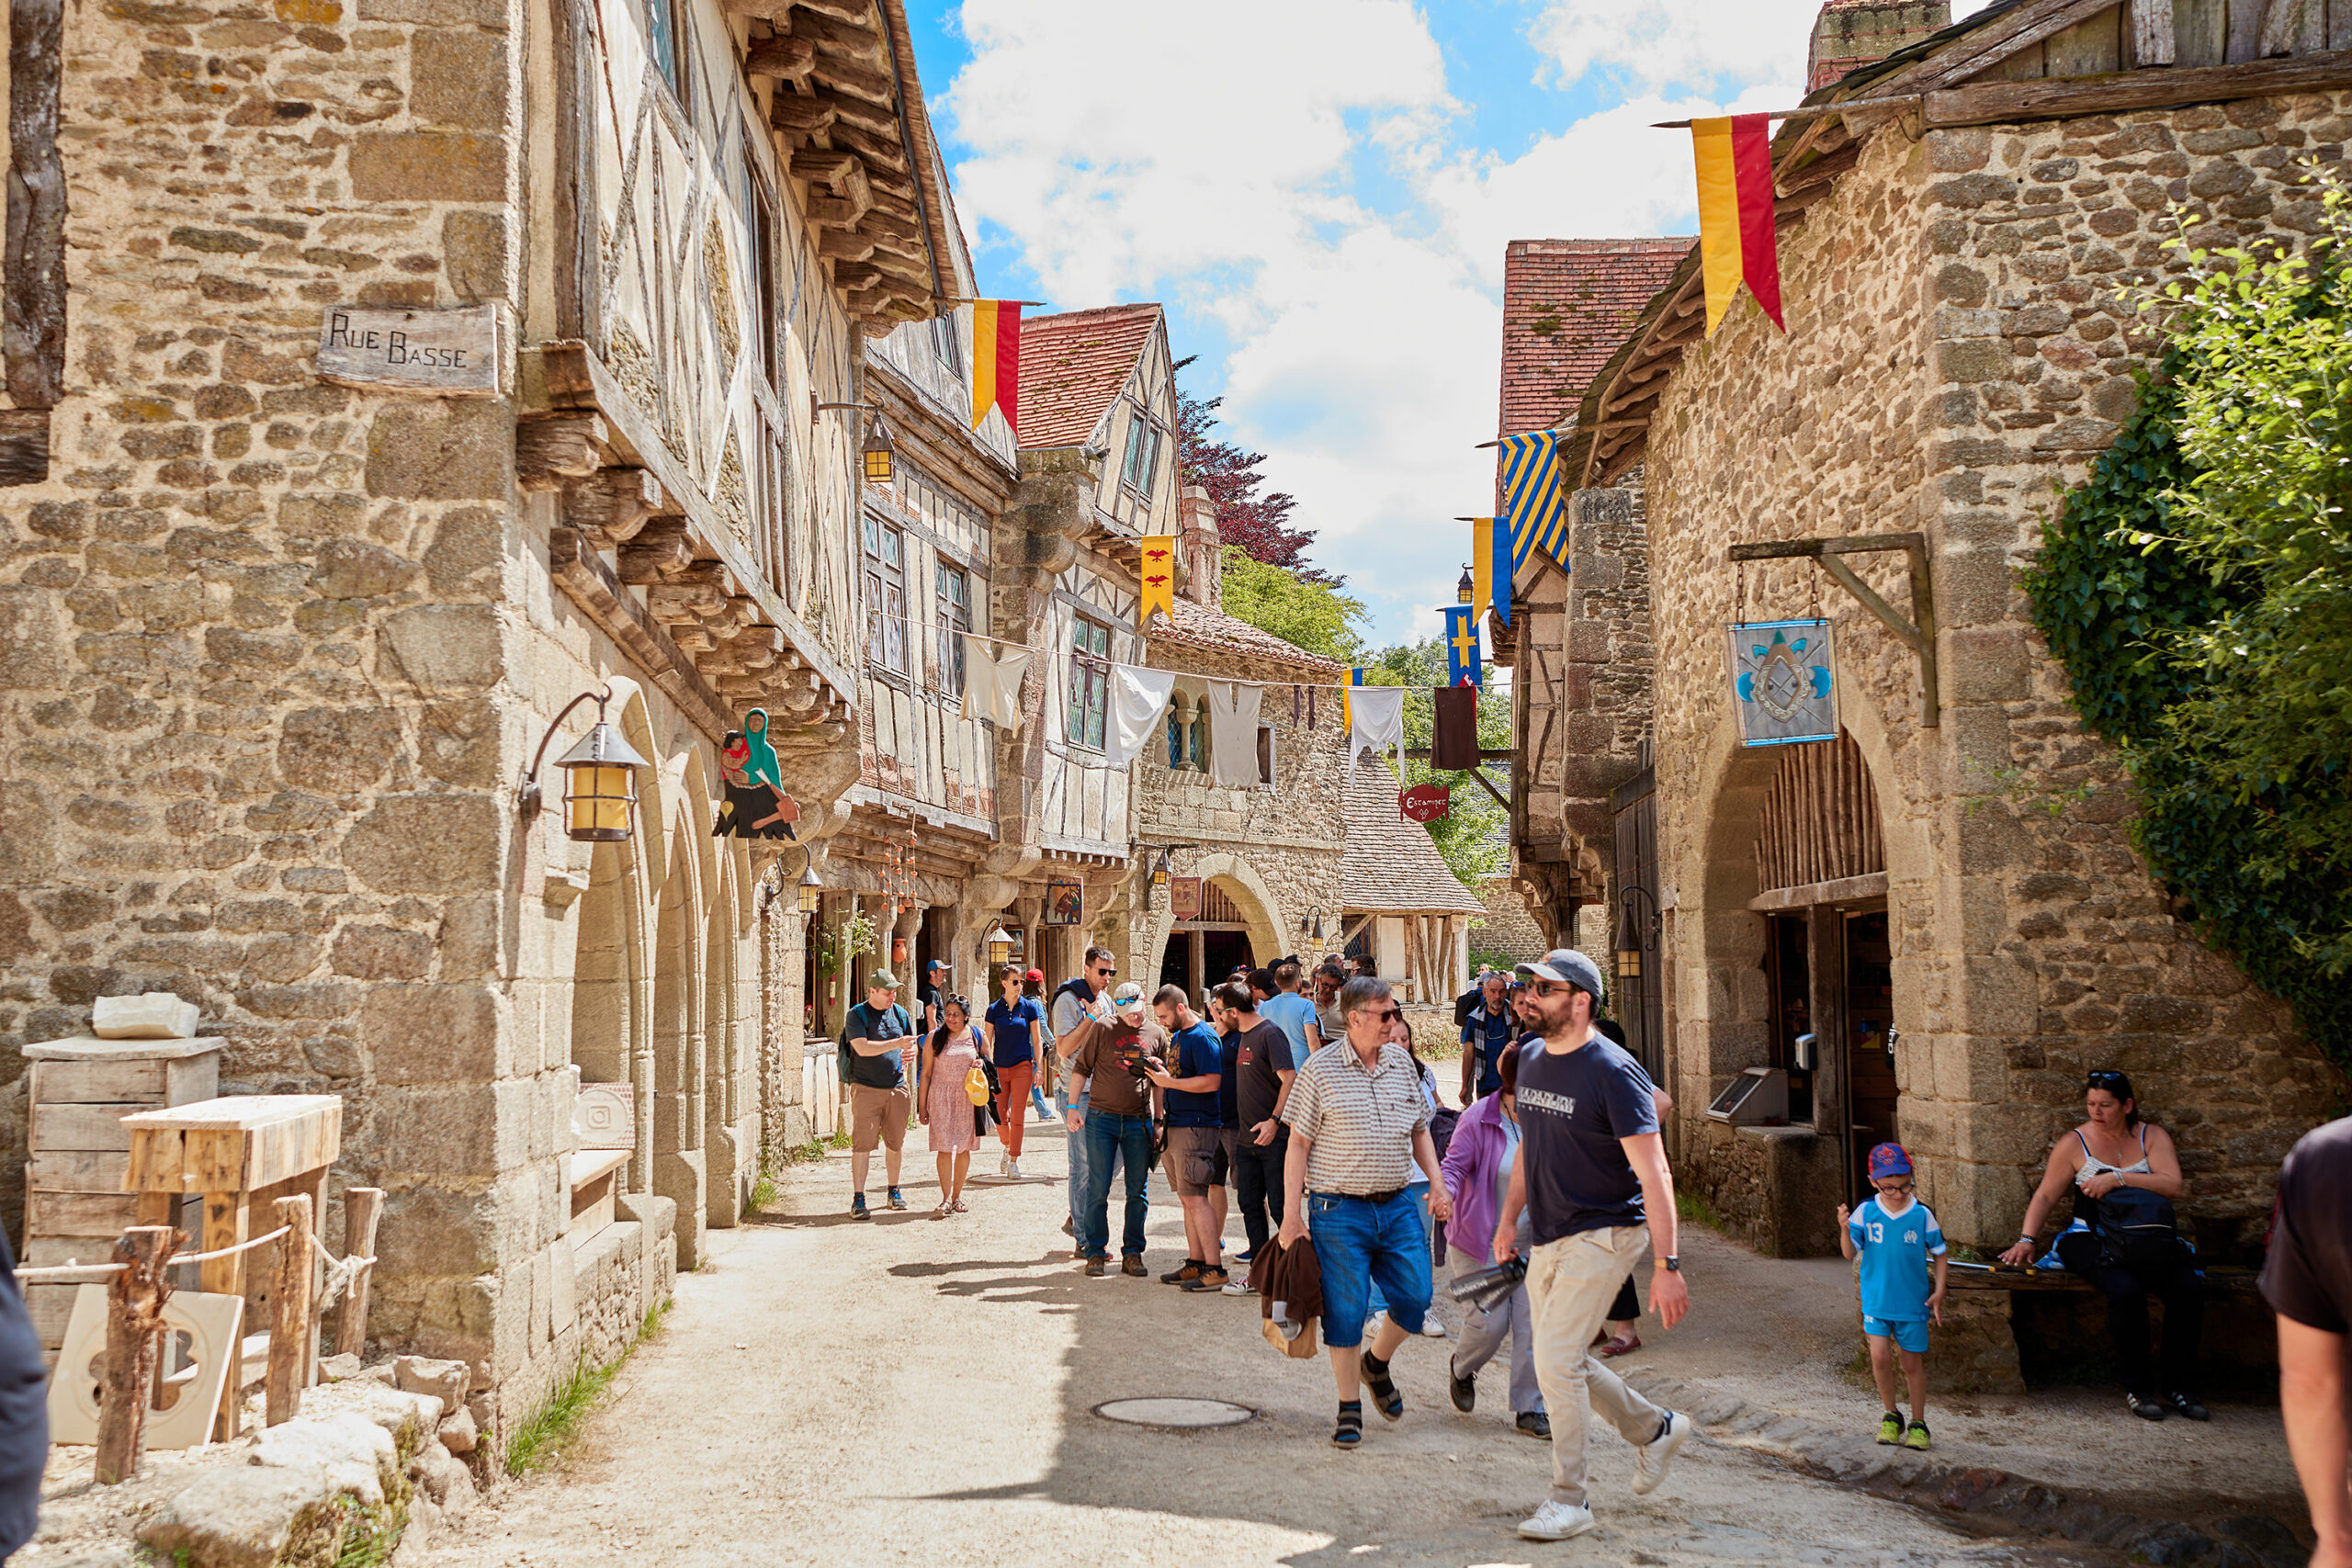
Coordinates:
(1426, 802)
(1184, 897)
(442, 353)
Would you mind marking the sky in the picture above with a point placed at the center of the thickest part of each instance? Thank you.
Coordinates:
(1319, 191)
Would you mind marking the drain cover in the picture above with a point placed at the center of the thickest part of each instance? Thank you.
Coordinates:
(1175, 1413)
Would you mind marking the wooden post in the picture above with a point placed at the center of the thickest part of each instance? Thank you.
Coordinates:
(289, 1333)
(362, 1208)
(134, 1314)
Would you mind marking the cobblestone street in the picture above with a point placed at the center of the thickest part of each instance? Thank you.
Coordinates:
(935, 1406)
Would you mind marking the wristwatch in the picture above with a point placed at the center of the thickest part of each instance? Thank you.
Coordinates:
(1672, 1264)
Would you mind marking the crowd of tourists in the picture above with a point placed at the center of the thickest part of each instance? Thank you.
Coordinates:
(1302, 1100)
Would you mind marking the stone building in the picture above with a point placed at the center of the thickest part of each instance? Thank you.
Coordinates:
(1580, 691)
(1925, 896)
(1265, 849)
(290, 603)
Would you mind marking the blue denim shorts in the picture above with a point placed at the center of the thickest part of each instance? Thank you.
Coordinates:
(1358, 1242)
(1909, 1334)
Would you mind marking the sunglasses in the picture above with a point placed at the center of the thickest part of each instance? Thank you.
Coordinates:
(1383, 1015)
(2105, 1079)
(1105, 971)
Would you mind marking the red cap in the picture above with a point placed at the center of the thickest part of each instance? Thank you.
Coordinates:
(1036, 974)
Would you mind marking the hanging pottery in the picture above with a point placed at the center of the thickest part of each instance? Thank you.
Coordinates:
(755, 806)
(1783, 679)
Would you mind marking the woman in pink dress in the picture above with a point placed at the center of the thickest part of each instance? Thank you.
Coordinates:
(954, 1050)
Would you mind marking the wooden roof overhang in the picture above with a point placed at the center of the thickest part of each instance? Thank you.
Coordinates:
(849, 106)
(1929, 86)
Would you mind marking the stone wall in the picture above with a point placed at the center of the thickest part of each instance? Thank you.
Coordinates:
(1276, 851)
(1507, 927)
(1955, 349)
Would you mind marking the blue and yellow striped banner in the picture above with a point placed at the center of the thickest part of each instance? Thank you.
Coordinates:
(1535, 503)
(1347, 708)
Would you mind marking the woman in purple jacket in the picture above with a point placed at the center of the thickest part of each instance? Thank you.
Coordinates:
(1477, 1174)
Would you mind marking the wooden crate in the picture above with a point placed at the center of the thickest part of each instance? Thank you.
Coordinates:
(75, 1201)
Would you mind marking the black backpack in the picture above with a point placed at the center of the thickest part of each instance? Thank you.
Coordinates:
(2138, 1231)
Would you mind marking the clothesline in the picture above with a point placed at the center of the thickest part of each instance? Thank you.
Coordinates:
(907, 619)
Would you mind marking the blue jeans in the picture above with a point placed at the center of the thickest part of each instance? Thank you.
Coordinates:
(1037, 1101)
(1127, 1139)
(1359, 1245)
(1076, 1142)
(1419, 1192)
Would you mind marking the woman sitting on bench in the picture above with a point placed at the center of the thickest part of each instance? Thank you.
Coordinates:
(2130, 1251)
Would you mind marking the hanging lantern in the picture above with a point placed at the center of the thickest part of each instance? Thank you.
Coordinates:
(1312, 923)
(1464, 590)
(811, 890)
(1000, 944)
(599, 777)
(1160, 872)
(880, 453)
(1629, 939)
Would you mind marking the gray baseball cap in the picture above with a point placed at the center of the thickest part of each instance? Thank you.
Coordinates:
(882, 980)
(1129, 998)
(1568, 966)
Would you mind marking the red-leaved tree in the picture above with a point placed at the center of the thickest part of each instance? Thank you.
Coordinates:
(1258, 524)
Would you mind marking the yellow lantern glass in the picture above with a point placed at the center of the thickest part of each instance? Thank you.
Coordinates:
(1000, 944)
(878, 450)
(811, 890)
(1629, 964)
(599, 786)
(1467, 588)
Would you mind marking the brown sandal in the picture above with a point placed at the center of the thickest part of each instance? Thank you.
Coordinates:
(1621, 1345)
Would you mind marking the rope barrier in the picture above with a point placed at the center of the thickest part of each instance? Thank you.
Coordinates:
(231, 1251)
(341, 1271)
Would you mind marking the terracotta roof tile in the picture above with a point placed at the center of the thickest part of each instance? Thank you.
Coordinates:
(1389, 862)
(1074, 365)
(1566, 306)
(1197, 626)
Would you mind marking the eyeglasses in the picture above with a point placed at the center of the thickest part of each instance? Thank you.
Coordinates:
(1899, 1187)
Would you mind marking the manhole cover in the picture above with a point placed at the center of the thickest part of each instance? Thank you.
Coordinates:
(1175, 1412)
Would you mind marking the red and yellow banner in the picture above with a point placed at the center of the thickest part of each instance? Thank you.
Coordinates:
(1737, 240)
(996, 361)
(1158, 578)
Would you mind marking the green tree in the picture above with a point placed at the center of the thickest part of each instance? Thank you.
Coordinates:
(2198, 590)
(1316, 616)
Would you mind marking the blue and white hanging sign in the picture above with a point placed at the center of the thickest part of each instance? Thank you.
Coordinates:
(1785, 682)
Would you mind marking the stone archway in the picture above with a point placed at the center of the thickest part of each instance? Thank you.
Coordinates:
(1261, 912)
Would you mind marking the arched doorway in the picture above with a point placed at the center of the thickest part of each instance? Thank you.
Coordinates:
(1201, 953)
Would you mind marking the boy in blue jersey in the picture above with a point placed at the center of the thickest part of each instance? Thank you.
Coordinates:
(1896, 1235)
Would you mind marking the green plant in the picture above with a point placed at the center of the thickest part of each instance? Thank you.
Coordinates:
(2198, 589)
(540, 1441)
(837, 947)
(1694, 1207)
(764, 1193)
(370, 1536)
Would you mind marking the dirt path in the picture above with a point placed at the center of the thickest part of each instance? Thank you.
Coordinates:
(831, 1391)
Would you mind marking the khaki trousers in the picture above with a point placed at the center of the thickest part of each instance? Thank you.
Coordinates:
(1570, 1284)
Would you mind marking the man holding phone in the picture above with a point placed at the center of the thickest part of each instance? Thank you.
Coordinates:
(881, 1038)
(1113, 1106)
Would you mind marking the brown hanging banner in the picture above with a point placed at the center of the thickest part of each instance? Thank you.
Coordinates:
(1455, 747)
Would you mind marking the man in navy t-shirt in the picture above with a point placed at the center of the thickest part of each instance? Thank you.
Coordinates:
(1197, 1156)
(1591, 1173)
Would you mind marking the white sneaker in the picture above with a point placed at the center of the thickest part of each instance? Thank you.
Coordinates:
(1651, 1458)
(1556, 1521)
(1003, 1164)
(1012, 1168)
(1240, 1285)
(1432, 1328)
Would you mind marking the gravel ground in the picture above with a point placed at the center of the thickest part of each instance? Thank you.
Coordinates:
(833, 1391)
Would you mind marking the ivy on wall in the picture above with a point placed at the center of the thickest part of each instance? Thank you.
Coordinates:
(2197, 590)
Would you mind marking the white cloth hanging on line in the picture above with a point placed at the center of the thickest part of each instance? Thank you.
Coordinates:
(1379, 723)
(993, 683)
(1138, 709)
(1233, 732)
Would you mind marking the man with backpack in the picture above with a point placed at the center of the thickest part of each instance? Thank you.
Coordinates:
(874, 1042)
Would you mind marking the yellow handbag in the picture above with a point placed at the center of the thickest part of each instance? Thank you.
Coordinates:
(975, 1085)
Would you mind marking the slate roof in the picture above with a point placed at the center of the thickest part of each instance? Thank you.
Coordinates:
(1074, 365)
(1197, 626)
(1568, 305)
(1390, 864)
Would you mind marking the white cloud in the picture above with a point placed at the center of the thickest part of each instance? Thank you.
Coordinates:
(1128, 158)
(1659, 44)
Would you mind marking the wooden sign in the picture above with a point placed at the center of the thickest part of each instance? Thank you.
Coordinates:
(1426, 802)
(1065, 902)
(443, 353)
(1783, 682)
(1184, 897)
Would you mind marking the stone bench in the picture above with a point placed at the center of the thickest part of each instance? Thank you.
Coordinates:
(1987, 1313)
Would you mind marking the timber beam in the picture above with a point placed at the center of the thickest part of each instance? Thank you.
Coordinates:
(1918, 633)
